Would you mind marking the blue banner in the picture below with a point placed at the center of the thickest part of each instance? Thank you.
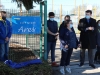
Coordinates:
(26, 25)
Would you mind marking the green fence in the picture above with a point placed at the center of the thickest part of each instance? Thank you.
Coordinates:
(26, 47)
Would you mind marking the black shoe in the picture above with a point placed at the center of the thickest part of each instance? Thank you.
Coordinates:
(92, 65)
(81, 64)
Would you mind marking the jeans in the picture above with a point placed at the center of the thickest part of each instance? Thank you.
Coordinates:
(65, 57)
(4, 48)
(51, 46)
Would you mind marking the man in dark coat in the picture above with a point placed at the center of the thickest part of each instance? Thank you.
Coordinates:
(87, 26)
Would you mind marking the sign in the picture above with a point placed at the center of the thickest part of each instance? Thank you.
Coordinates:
(26, 25)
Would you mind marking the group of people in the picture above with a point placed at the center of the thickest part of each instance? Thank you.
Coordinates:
(89, 39)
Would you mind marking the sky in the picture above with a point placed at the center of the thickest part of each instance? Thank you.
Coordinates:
(67, 5)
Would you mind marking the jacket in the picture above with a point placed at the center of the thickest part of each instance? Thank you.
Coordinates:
(53, 27)
(68, 38)
(98, 36)
(87, 37)
(5, 30)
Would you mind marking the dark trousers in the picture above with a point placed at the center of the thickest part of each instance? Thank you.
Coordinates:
(51, 46)
(97, 54)
(4, 51)
(90, 56)
(65, 57)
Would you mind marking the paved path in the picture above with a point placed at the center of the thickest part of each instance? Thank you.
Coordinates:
(76, 70)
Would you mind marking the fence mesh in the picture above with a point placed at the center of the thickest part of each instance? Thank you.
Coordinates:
(22, 46)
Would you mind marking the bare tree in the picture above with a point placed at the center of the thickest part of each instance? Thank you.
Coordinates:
(81, 9)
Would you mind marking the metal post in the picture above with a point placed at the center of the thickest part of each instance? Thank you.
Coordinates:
(60, 14)
(95, 12)
(78, 13)
(45, 29)
(20, 8)
(26, 40)
(27, 34)
(41, 30)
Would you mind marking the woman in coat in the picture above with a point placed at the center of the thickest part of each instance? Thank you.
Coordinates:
(67, 17)
(68, 41)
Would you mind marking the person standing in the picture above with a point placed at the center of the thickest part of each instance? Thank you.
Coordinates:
(5, 35)
(67, 17)
(87, 26)
(52, 37)
(69, 41)
(97, 54)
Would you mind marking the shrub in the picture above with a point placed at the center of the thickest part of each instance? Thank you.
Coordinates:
(40, 69)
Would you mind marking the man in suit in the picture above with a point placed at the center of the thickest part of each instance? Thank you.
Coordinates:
(87, 26)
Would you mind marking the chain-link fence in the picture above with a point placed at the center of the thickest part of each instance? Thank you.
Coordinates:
(32, 42)
(76, 13)
(23, 46)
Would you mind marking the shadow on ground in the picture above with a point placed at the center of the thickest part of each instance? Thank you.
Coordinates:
(76, 70)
